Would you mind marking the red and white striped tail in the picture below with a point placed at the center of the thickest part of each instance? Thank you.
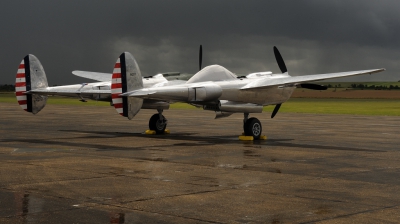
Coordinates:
(116, 88)
(20, 86)
(30, 77)
(126, 77)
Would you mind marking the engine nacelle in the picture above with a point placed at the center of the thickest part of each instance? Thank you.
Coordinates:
(234, 107)
(206, 92)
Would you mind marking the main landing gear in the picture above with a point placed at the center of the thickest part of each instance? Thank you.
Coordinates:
(158, 123)
(251, 126)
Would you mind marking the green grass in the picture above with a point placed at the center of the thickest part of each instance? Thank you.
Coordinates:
(294, 105)
(9, 97)
(341, 106)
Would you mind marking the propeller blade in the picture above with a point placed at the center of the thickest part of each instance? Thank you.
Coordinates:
(200, 56)
(279, 60)
(313, 86)
(275, 110)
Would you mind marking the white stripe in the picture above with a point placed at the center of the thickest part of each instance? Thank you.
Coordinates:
(118, 90)
(24, 106)
(21, 98)
(20, 80)
(117, 70)
(21, 70)
(20, 89)
(117, 100)
(120, 110)
(116, 81)
(118, 61)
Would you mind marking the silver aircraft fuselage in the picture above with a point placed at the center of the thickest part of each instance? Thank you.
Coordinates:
(230, 90)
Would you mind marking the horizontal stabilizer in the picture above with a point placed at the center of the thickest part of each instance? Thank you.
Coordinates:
(98, 76)
(106, 77)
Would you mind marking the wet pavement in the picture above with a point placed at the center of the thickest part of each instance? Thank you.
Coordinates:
(72, 164)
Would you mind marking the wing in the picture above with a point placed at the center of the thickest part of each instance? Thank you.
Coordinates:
(268, 82)
(98, 76)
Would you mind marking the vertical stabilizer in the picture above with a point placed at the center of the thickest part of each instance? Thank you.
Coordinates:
(126, 77)
(30, 76)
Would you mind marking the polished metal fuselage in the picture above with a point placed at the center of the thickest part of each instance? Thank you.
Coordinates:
(230, 90)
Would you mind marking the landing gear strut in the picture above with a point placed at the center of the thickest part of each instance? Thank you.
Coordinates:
(252, 126)
(158, 122)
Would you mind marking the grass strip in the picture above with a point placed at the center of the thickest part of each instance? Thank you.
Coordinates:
(387, 107)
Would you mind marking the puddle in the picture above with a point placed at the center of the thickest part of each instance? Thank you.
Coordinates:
(232, 166)
(23, 207)
(24, 150)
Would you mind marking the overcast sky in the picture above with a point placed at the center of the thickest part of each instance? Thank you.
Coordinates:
(313, 36)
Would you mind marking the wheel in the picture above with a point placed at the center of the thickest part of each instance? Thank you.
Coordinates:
(158, 125)
(252, 127)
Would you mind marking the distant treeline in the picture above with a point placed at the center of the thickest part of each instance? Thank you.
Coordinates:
(7, 88)
(360, 85)
(376, 87)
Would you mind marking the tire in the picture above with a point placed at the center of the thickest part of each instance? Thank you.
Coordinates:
(253, 127)
(158, 125)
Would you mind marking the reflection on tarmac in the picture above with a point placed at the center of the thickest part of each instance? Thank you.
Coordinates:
(28, 207)
(62, 167)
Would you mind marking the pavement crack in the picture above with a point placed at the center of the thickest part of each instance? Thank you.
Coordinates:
(351, 214)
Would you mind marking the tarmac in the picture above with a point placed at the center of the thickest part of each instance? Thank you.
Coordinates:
(87, 164)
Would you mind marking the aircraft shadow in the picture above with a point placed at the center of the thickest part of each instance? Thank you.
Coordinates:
(190, 141)
(219, 140)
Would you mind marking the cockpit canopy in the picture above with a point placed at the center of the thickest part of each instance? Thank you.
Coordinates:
(212, 73)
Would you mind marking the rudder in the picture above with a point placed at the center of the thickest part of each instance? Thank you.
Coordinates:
(30, 76)
(126, 77)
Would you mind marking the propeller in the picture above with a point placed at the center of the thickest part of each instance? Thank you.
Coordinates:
(283, 68)
(279, 60)
(313, 86)
(200, 56)
(275, 110)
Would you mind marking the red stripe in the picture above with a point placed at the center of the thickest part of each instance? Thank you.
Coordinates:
(20, 84)
(20, 75)
(117, 65)
(25, 110)
(116, 75)
(116, 85)
(115, 95)
(118, 105)
(122, 114)
(21, 65)
(20, 93)
(22, 102)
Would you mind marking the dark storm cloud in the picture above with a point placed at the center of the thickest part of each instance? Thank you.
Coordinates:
(313, 36)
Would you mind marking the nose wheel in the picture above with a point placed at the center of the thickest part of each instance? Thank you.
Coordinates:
(158, 123)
